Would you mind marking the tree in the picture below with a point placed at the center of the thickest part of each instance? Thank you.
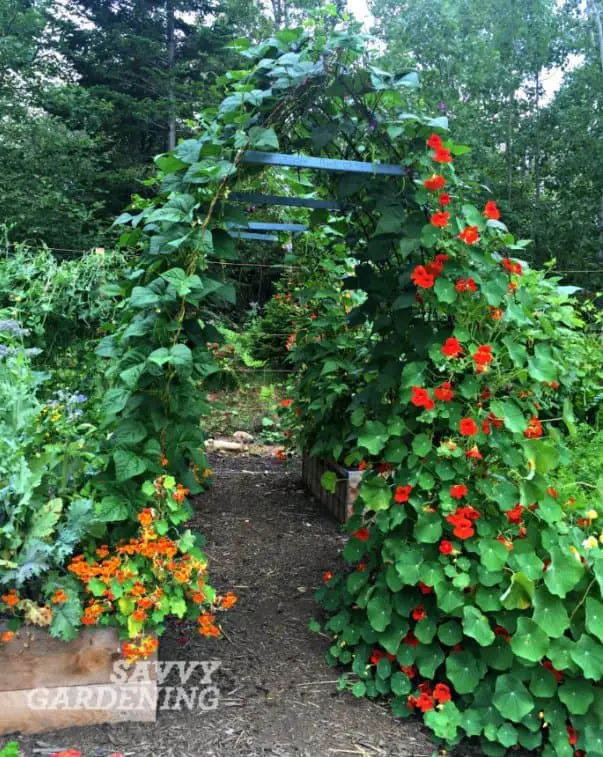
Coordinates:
(146, 65)
(485, 65)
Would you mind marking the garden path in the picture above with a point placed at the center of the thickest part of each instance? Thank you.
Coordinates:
(270, 542)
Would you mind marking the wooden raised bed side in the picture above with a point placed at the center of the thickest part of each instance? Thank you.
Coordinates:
(341, 501)
(46, 683)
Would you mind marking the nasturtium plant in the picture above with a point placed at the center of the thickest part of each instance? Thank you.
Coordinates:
(437, 365)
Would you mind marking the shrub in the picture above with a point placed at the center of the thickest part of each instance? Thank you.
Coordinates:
(63, 304)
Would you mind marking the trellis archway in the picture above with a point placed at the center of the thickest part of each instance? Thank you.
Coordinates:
(458, 362)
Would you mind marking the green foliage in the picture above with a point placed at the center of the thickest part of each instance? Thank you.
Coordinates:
(46, 453)
(64, 304)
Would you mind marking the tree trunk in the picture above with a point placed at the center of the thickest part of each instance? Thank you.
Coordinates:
(595, 13)
(171, 83)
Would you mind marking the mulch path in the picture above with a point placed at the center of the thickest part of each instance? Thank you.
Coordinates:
(270, 542)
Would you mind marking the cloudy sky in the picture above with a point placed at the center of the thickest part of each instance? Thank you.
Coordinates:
(360, 9)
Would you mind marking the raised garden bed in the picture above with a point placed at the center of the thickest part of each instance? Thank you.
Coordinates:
(48, 684)
(341, 501)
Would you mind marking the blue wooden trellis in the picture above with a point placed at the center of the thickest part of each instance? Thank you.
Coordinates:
(249, 230)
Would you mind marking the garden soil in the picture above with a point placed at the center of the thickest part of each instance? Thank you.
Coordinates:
(269, 542)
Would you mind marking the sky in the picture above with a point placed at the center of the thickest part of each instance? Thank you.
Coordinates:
(360, 9)
(551, 78)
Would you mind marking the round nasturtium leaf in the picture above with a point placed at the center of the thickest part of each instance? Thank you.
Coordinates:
(593, 740)
(529, 641)
(379, 611)
(498, 655)
(588, 654)
(400, 683)
(507, 735)
(450, 633)
(463, 671)
(564, 573)
(476, 626)
(560, 653)
(511, 698)
(543, 682)
(594, 617)
(550, 613)
(576, 695)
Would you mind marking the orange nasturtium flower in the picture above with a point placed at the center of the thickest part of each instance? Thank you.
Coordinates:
(11, 599)
(228, 600)
(434, 182)
(469, 235)
(440, 219)
(59, 597)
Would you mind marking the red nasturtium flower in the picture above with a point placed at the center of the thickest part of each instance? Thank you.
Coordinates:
(362, 534)
(424, 588)
(446, 547)
(419, 613)
(468, 427)
(435, 142)
(440, 219)
(466, 285)
(422, 278)
(452, 347)
(491, 211)
(483, 355)
(441, 693)
(534, 429)
(434, 182)
(402, 493)
(572, 735)
(444, 199)
(458, 491)
(425, 702)
(469, 235)
(280, 455)
(327, 576)
(515, 515)
(286, 403)
(552, 492)
(512, 267)
(410, 670)
(463, 520)
(410, 639)
(436, 266)
(421, 398)
(442, 155)
(444, 392)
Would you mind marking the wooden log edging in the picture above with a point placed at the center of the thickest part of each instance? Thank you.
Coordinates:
(47, 683)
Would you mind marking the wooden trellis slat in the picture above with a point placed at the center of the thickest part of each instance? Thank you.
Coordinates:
(294, 202)
(269, 226)
(322, 164)
(251, 235)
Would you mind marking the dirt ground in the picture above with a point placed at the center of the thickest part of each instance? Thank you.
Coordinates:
(270, 542)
